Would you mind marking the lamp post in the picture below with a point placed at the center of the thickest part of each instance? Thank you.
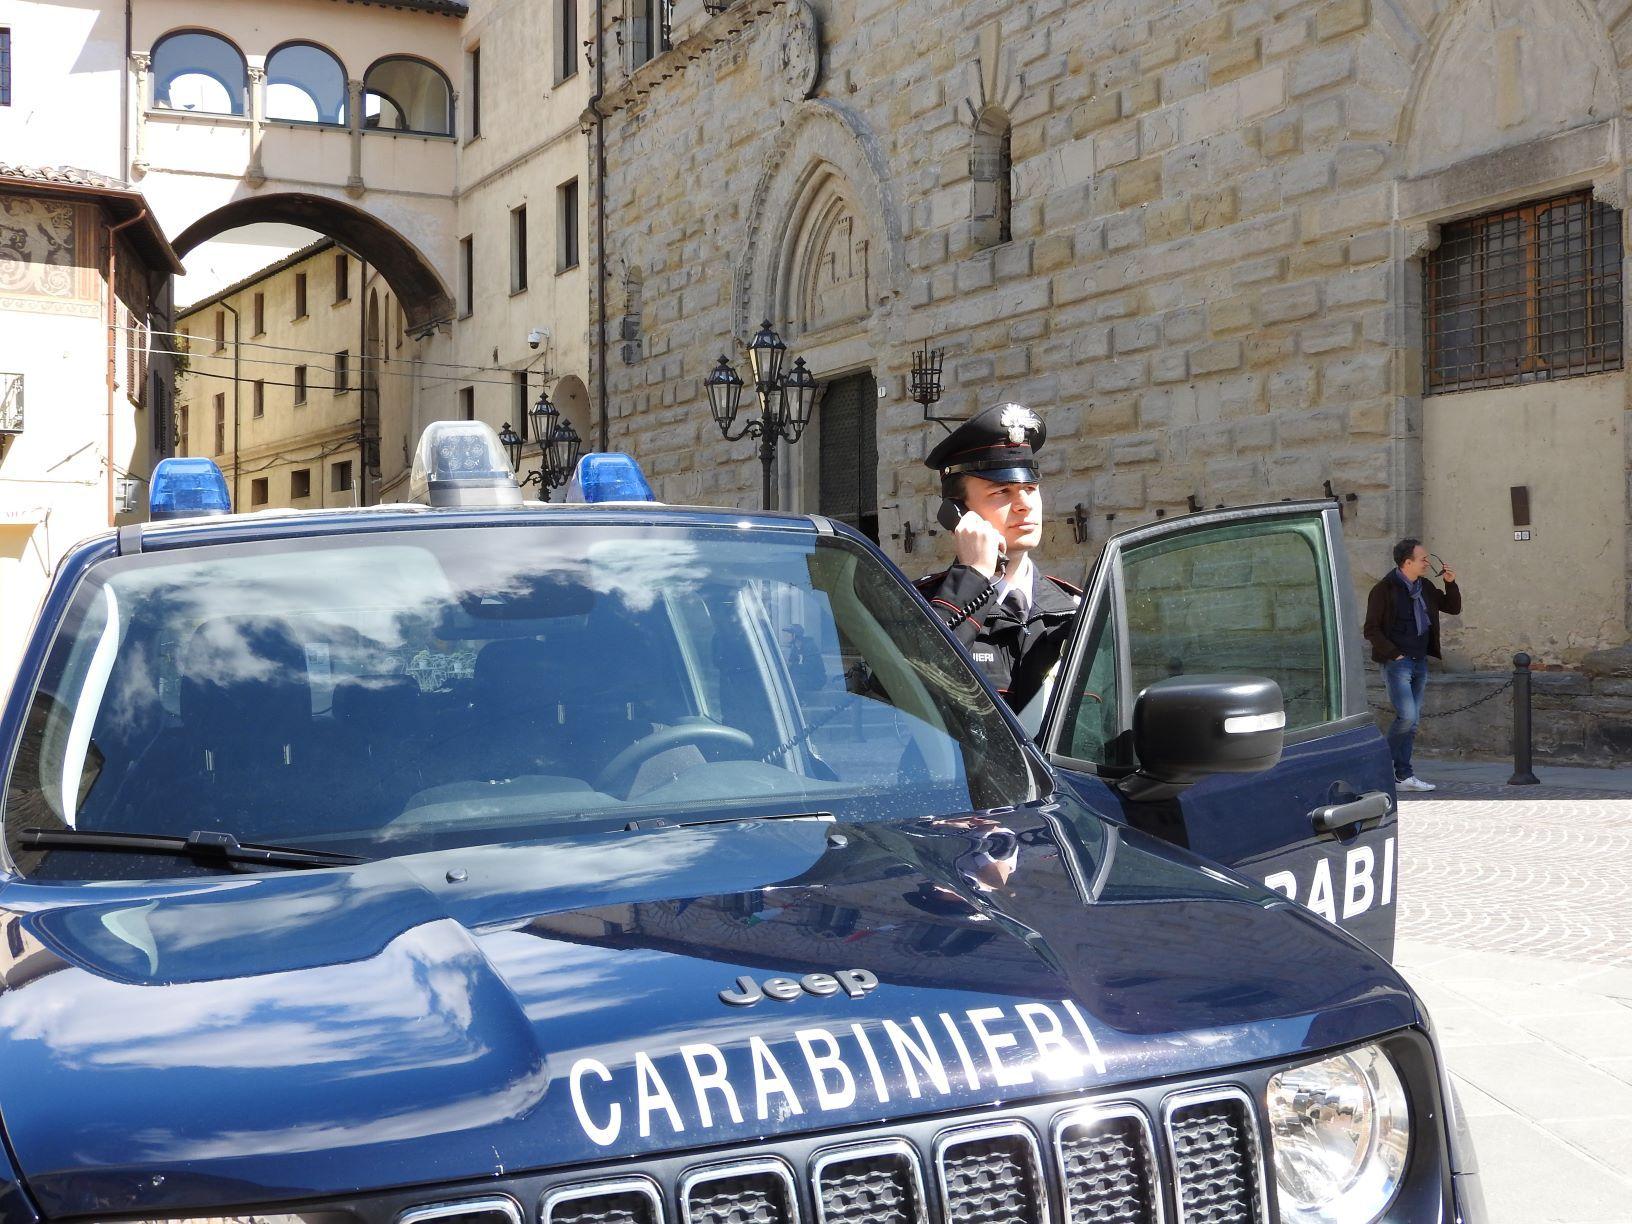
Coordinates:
(558, 448)
(786, 400)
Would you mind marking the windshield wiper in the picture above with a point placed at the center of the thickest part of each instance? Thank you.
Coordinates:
(669, 822)
(221, 849)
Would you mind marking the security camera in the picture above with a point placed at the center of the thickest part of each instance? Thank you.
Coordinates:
(537, 336)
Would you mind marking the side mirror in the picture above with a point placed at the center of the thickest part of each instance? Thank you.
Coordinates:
(1189, 727)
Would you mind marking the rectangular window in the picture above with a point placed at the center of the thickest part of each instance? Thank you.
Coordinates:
(651, 29)
(1524, 294)
(220, 330)
(519, 402)
(473, 62)
(566, 226)
(342, 372)
(258, 491)
(300, 295)
(260, 314)
(136, 360)
(340, 477)
(518, 249)
(467, 403)
(467, 277)
(259, 409)
(221, 424)
(5, 67)
(300, 483)
(300, 384)
(566, 40)
(342, 277)
(183, 430)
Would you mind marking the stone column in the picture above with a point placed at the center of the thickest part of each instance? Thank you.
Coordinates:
(354, 120)
(255, 175)
(141, 64)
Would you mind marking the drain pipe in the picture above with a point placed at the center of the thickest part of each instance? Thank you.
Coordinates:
(237, 350)
(113, 340)
(600, 223)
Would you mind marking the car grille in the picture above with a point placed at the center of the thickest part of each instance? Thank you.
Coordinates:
(1088, 1163)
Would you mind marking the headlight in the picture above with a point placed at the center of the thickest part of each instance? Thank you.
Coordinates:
(1341, 1130)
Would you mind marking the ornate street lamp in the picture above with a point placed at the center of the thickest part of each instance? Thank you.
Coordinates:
(785, 401)
(558, 448)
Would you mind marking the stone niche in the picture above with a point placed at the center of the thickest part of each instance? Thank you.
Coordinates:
(1509, 71)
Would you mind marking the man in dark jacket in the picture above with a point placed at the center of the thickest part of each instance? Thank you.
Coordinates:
(1402, 625)
(1013, 619)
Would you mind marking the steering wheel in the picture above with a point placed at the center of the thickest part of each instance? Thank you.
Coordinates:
(620, 770)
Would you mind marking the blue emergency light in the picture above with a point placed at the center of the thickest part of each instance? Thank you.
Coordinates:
(187, 488)
(608, 476)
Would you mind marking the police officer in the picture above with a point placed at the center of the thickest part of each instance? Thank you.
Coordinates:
(1013, 620)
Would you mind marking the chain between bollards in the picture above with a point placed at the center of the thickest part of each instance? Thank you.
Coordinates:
(1522, 775)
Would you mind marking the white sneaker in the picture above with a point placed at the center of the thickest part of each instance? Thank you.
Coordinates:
(1413, 783)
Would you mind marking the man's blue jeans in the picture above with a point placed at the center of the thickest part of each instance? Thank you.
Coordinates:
(1407, 678)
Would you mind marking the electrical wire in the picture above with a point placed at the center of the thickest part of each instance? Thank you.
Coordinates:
(431, 379)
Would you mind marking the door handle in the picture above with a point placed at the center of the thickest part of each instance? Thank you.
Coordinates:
(1367, 809)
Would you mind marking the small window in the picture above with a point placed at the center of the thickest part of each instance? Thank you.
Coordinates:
(1524, 294)
(518, 249)
(473, 72)
(221, 424)
(566, 39)
(991, 176)
(467, 277)
(258, 491)
(300, 483)
(650, 29)
(300, 295)
(5, 67)
(183, 429)
(342, 277)
(342, 372)
(566, 226)
(220, 330)
(467, 403)
(340, 477)
(300, 384)
(259, 409)
(260, 314)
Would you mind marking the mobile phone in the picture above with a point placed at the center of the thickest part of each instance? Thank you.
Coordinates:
(951, 513)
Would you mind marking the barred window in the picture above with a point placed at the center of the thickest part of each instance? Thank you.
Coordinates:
(1524, 294)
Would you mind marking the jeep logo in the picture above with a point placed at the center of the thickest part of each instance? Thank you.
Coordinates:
(854, 982)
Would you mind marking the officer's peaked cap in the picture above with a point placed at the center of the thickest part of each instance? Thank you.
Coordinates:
(999, 445)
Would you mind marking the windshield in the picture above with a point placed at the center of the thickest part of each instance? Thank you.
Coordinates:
(404, 691)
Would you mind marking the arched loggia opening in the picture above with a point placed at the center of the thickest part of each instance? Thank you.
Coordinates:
(424, 297)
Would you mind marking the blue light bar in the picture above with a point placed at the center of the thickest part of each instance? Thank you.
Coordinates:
(608, 476)
(187, 488)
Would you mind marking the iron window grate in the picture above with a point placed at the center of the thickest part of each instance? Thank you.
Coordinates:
(1525, 294)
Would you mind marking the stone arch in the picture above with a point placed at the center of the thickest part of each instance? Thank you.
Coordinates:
(571, 399)
(825, 150)
(420, 293)
(1498, 73)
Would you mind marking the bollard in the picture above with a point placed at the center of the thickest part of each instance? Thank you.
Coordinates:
(1522, 776)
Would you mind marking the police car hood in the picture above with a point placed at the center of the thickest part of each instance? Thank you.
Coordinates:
(254, 1039)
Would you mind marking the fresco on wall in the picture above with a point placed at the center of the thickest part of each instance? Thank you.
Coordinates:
(48, 257)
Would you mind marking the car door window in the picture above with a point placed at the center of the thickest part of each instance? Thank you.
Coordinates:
(1251, 598)
(1092, 728)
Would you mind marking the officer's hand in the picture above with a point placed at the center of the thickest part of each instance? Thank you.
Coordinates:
(979, 543)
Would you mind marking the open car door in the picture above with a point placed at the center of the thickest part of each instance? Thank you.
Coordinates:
(1259, 591)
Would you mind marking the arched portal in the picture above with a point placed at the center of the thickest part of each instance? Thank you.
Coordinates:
(571, 400)
(424, 299)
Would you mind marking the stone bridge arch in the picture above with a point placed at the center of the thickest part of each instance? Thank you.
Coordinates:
(413, 279)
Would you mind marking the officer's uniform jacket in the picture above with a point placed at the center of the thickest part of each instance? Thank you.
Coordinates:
(1015, 657)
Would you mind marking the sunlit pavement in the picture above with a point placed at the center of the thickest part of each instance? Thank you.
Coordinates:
(1515, 926)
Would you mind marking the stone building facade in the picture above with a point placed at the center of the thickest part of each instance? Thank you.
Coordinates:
(1195, 236)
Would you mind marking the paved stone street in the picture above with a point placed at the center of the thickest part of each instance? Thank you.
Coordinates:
(1516, 927)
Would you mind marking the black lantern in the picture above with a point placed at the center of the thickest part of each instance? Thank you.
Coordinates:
(561, 452)
(766, 353)
(544, 416)
(724, 387)
(799, 390)
(512, 446)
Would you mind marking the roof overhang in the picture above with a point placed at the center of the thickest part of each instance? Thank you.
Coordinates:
(121, 203)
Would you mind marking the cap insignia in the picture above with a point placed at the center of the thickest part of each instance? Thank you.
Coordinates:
(1018, 420)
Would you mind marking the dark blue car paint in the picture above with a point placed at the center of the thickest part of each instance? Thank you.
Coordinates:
(257, 1039)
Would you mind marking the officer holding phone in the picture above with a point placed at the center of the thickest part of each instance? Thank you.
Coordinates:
(1012, 619)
